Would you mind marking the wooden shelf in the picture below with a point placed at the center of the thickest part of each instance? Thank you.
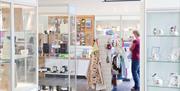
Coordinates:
(87, 30)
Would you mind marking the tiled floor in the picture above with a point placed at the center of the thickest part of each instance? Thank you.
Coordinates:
(125, 86)
(81, 84)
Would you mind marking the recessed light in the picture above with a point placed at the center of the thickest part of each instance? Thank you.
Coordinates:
(119, 0)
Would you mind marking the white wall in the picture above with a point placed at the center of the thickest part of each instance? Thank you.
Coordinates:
(53, 10)
(97, 7)
(29, 2)
(162, 4)
(43, 23)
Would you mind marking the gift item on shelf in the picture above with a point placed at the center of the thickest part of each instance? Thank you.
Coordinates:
(24, 52)
(155, 57)
(157, 81)
(85, 30)
(173, 31)
(63, 69)
(158, 31)
(53, 88)
(94, 75)
(44, 69)
(88, 23)
(46, 48)
(63, 48)
(155, 53)
(175, 55)
(174, 80)
(54, 69)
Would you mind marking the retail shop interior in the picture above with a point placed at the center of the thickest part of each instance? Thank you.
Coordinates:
(95, 45)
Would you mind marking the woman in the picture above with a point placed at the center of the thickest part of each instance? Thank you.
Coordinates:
(135, 50)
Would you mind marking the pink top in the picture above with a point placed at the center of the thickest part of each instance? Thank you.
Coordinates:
(136, 50)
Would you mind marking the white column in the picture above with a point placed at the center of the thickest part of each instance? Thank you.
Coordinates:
(12, 87)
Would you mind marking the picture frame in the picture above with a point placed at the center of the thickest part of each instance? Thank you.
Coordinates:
(88, 23)
(174, 80)
(155, 49)
(155, 53)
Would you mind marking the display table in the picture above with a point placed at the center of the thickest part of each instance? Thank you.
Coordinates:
(26, 87)
(82, 65)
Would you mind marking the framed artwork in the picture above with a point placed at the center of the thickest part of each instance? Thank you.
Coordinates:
(88, 23)
(155, 52)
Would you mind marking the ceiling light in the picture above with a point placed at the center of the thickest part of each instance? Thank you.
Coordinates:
(119, 0)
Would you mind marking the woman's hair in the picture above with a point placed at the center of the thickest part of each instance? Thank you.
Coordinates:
(136, 33)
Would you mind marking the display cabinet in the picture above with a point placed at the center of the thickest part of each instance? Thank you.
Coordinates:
(85, 30)
(57, 44)
(5, 47)
(162, 50)
(18, 45)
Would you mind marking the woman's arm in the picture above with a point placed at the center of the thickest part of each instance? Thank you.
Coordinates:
(133, 45)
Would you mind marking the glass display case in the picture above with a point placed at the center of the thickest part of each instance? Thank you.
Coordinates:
(57, 44)
(18, 46)
(85, 30)
(116, 29)
(163, 50)
(5, 46)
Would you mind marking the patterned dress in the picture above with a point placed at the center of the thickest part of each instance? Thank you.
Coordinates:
(94, 75)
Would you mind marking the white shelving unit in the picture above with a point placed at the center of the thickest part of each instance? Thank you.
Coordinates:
(160, 65)
(19, 69)
(55, 11)
(82, 66)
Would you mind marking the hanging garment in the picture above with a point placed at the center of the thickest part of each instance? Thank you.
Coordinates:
(122, 66)
(94, 75)
(94, 71)
(115, 70)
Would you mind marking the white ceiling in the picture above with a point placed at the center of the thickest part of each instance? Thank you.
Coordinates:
(82, 2)
(98, 7)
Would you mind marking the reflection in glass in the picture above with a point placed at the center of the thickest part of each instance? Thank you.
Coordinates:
(25, 46)
(4, 46)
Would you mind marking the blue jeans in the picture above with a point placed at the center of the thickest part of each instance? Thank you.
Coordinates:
(136, 73)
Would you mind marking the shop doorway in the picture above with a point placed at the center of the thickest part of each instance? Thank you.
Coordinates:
(115, 34)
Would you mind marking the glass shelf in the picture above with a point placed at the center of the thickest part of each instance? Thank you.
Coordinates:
(4, 62)
(165, 46)
(163, 36)
(164, 61)
(163, 87)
